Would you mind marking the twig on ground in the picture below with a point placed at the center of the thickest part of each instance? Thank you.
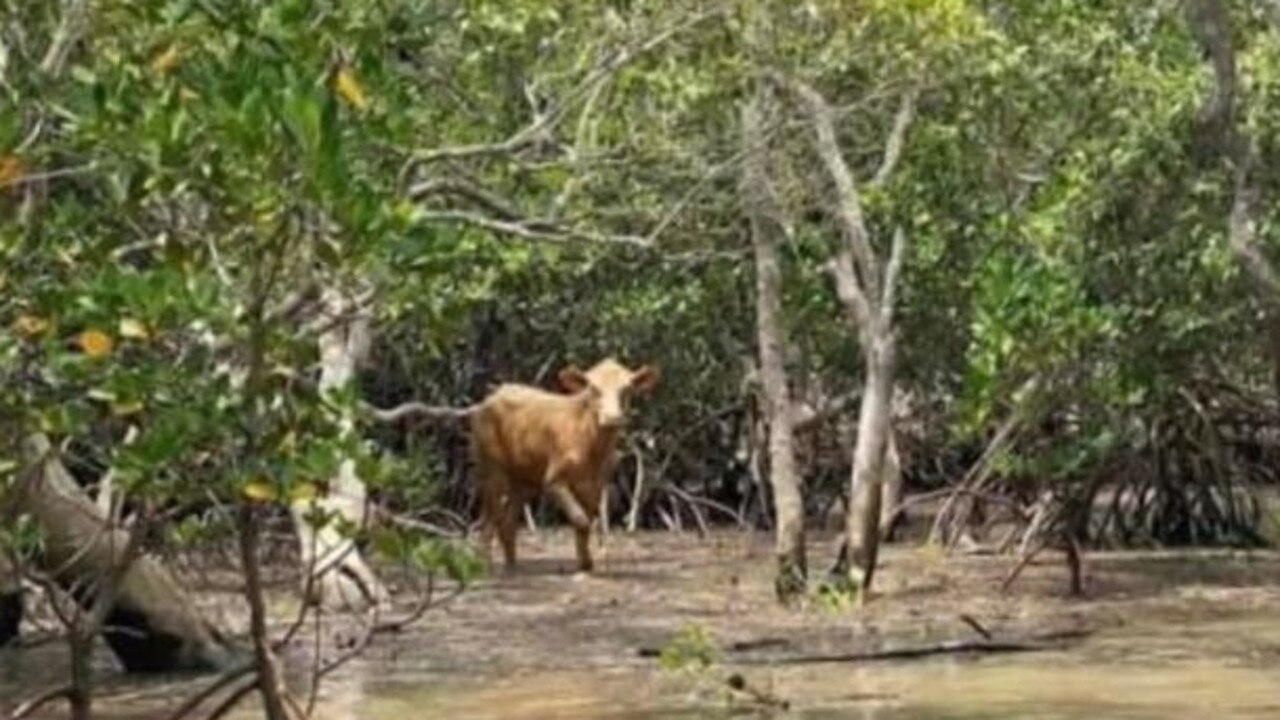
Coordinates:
(39, 701)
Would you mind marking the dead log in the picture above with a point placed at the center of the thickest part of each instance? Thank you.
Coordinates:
(153, 626)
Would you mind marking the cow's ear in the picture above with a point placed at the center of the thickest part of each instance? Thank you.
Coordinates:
(644, 379)
(571, 379)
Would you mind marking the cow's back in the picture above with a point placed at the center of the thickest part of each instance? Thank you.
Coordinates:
(519, 429)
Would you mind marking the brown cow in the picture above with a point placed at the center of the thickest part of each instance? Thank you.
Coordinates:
(526, 441)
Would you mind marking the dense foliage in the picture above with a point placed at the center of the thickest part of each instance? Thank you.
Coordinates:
(511, 187)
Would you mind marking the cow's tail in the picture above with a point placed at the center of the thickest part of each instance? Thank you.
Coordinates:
(418, 409)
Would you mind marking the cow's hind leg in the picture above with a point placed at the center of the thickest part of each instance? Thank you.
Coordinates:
(497, 509)
(508, 516)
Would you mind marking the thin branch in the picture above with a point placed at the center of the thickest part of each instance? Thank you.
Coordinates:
(530, 230)
(29, 707)
(455, 186)
(40, 177)
(891, 273)
(431, 412)
(229, 704)
(810, 420)
(191, 703)
(529, 134)
(71, 26)
(850, 294)
(847, 202)
(897, 138)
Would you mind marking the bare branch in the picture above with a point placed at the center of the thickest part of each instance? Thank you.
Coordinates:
(897, 137)
(850, 294)
(894, 269)
(529, 134)
(41, 177)
(75, 17)
(1210, 23)
(806, 421)
(229, 703)
(456, 186)
(432, 412)
(190, 704)
(530, 229)
(29, 707)
(847, 202)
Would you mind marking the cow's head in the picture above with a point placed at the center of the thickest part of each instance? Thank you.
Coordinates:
(608, 386)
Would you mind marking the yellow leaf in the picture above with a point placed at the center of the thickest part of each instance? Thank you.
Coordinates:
(349, 88)
(166, 60)
(124, 409)
(29, 326)
(303, 491)
(260, 490)
(133, 329)
(95, 343)
(12, 169)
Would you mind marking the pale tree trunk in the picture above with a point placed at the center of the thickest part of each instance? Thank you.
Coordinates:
(152, 626)
(891, 490)
(1219, 130)
(867, 297)
(766, 232)
(862, 527)
(334, 569)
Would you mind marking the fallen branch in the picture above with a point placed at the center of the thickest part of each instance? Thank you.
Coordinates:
(234, 698)
(1040, 643)
(39, 701)
(1037, 643)
(190, 704)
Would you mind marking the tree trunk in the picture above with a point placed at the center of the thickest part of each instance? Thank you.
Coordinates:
(891, 492)
(868, 300)
(862, 532)
(270, 677)
(334, 569)
(765, 234)
(152, 626)
(10, 600)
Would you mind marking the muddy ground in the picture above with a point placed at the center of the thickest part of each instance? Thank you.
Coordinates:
(649, 587)
(546, 621)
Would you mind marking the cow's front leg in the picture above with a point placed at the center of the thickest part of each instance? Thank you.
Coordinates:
(578, 517)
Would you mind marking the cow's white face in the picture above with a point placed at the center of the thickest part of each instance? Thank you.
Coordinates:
(610, 386)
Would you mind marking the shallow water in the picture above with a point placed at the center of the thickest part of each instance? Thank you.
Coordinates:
(1177, 637)
(1222, 669)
